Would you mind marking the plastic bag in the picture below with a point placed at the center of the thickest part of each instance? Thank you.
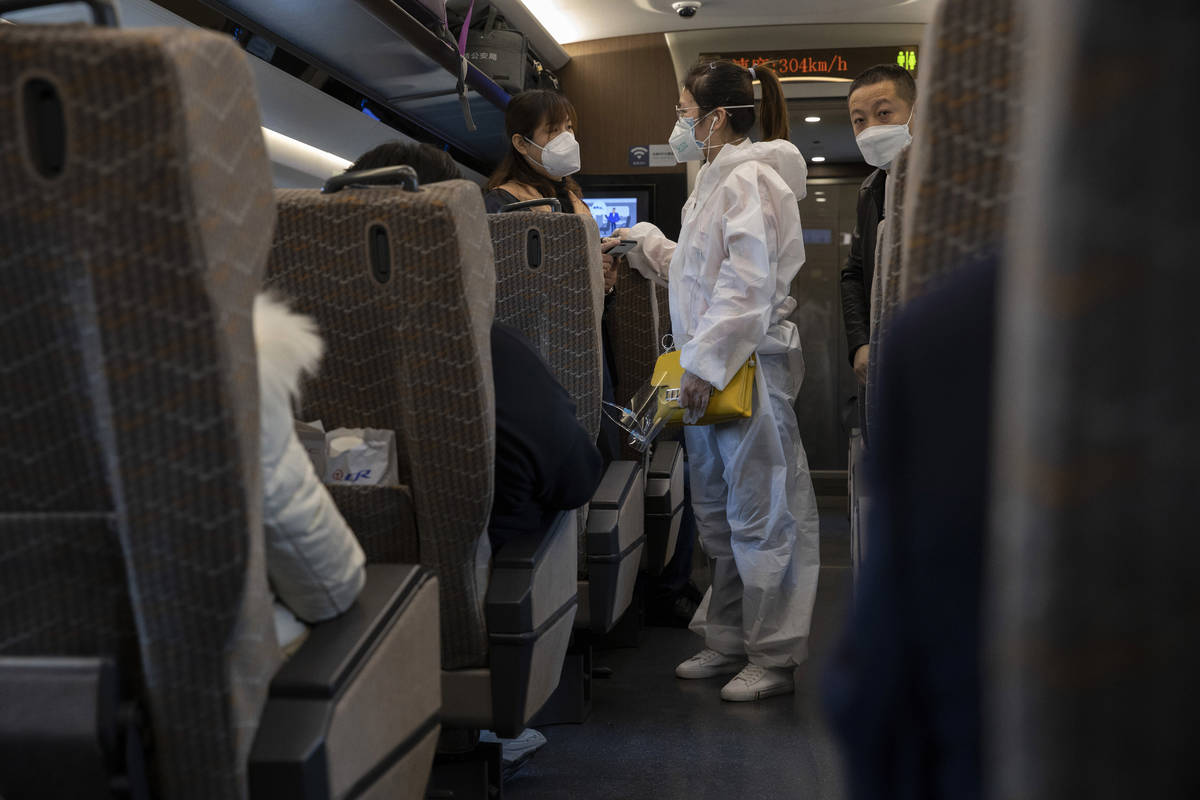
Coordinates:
(644, 418)
(361, 457)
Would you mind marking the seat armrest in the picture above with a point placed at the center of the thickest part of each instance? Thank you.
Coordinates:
(533, 579)
(528, 549)
(615, 484)
(664, 479)
(615, 541)
(335, 649)
(530, 608)
(356, 709)
(615, 519)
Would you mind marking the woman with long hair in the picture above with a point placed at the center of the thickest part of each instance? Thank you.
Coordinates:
(542, 156)
(729, 278)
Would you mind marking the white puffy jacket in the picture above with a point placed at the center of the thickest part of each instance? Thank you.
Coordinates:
(313, 560)
(739, 249)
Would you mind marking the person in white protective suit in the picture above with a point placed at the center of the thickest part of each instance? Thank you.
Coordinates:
(729, 278)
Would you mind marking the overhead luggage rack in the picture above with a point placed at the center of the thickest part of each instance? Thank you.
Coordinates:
(382, 50)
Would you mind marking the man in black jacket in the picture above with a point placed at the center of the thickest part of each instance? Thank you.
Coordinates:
(881, 102)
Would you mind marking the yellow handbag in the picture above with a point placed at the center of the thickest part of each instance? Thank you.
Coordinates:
(735, 401)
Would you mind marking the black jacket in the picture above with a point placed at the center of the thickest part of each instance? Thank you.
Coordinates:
(545, 460)
(860, 264)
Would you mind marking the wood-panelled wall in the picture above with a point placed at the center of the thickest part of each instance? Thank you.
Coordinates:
(624, 91)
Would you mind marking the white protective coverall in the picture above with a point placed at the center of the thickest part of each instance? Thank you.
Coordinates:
(729, 279)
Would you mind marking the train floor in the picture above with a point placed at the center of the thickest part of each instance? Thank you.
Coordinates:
(652, 736)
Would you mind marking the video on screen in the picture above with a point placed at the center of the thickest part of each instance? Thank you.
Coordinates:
(612, 213)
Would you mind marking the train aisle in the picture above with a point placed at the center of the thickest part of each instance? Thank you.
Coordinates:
(653, 737)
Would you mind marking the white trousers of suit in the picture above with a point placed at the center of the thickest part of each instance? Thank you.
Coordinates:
(757, 519)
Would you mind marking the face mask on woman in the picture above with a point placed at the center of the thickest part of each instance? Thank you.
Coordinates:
(683, 140)
(560, 156)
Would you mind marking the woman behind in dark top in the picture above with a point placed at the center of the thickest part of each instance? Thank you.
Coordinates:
(541, 158)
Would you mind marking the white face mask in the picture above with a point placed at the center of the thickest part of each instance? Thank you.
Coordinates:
(683, 140)
(560, 156)
(880, 144)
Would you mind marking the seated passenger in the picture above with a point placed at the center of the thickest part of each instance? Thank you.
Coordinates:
(314, 563)
(545, 462)
(431, 164)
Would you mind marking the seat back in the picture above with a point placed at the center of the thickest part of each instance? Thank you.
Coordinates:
(401, 284)
(1092, 586)
(885, 288)
(637, 330)
(964, 141)
(549, 286)
(136, 215)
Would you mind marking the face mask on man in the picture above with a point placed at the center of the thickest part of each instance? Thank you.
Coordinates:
(880, 144)
(560, 156)
(683, 140)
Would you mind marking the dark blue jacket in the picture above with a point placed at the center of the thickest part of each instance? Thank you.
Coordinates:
(545, 460)
(903, 690)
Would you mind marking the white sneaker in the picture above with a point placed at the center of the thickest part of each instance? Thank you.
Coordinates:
(708, 664)
(756, 683)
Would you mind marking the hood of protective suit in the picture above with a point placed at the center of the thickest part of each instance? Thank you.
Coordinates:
(779, 154)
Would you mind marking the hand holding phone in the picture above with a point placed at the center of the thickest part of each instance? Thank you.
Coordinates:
(622, 247)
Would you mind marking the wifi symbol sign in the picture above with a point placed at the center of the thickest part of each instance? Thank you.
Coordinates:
(639, 156)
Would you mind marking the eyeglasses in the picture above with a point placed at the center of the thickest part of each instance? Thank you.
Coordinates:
(680, 111)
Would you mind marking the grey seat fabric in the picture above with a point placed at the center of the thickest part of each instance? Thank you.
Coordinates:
(545, 300)
(130, 496)
(410, 354)
(1096, 606)
(960, 164)
(552, 292)
(637, 326)
(549, 287)
(885, 288)
(402, 285)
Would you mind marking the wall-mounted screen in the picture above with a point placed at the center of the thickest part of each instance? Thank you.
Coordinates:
(616, 207)
(611, 213)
